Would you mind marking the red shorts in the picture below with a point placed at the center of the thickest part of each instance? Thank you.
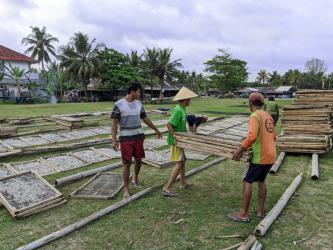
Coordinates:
(130, 149)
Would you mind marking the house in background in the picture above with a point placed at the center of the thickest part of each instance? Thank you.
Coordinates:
(15, 59)
(285, 91)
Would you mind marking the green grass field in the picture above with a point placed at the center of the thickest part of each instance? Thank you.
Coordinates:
(149, 222)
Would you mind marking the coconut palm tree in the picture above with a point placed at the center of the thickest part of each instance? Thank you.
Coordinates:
(40, 43)
(150, 66)
(134, 59)
(16, 74)
(166, 67)
(263, 76)
(79, 60)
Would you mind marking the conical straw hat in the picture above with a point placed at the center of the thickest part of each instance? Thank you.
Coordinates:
(184, 93)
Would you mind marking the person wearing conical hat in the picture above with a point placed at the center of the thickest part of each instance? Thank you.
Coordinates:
(177, 123)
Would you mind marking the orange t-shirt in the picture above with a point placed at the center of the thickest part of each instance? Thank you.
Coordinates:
(261, 137)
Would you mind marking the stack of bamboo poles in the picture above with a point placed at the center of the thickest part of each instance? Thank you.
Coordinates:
(308, 123)
(21, 121)
(318, 97)
(8, 132)
(308, 119)
(300, 143)
(209, 145)
(70, 122)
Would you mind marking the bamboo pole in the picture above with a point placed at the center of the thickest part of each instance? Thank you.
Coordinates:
(314, 167)
(264, 225)
(248, 243)
(67, 230)
(203, 167)
(91, 172)
(278, 163)
(256, 246)
(71, 228)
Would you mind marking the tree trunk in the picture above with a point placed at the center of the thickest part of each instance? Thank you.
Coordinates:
(161, 85)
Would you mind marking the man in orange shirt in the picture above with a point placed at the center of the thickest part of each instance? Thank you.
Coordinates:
(261, 138)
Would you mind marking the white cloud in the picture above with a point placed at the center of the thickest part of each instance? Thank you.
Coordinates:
(275, 35)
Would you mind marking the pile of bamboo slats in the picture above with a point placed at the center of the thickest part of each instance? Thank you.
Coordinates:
(70, 122)
(307, 119)
(303, 143)
(21, 121)
(210, 145)
(8, 132)
(308, 123)
(318, 97)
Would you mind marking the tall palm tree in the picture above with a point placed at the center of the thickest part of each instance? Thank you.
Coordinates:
(40, 43)
(263, 76)
(166, 67)
(134, 59)
(16, 74)
(79, 60)
(150, 65)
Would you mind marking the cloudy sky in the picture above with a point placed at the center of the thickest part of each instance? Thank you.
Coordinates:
(271, 35)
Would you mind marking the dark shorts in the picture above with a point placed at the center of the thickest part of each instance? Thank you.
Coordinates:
(257, 172)
(130, 149)
(275, 118)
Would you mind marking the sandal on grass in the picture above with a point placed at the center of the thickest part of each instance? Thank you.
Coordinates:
(187, 185)
(168, 193)
(235, 217)
(126, 195)
(257, 214)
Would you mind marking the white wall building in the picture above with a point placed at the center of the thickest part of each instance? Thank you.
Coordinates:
(15, 59)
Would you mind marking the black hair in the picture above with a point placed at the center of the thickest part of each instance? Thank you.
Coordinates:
(133, 87)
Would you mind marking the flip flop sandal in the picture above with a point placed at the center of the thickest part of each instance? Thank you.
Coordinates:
(169, 194)
(136, 185)
(126, 196)
(238, 219)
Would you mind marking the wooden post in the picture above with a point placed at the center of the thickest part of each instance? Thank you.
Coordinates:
(264, 225)
(91, 172)
(314, 167)
(278, 163)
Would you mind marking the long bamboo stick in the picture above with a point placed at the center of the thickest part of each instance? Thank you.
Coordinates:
(91, 172)
(71, 228)
(264, 225)
(278, 163)
(314, 167)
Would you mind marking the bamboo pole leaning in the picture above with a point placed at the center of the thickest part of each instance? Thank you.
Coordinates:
(264, 225)
(71, 228)
(278, 163)
(314, 167)
(88, 173)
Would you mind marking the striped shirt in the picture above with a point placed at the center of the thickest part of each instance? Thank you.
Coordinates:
(129, 115)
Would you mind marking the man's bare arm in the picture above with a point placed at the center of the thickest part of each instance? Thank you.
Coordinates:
(149, 123)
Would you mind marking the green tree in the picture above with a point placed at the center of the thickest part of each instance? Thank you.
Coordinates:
(227, 73)
(167, 68)
(275, 79)
(263, 76)
(40, 43)
(293, 77)
(16, 74)
(116, 71)
(150, 66)
(134, 59)
(79, 59)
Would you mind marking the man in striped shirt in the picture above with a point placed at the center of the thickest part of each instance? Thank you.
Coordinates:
(127, 114)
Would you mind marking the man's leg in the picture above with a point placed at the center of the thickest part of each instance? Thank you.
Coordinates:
(182, 174)
(262, 197)
(175, 172)
(247, 192)
(126, 175)
(137, 171)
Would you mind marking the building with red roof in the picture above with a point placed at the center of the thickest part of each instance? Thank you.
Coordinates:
(11, 58)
